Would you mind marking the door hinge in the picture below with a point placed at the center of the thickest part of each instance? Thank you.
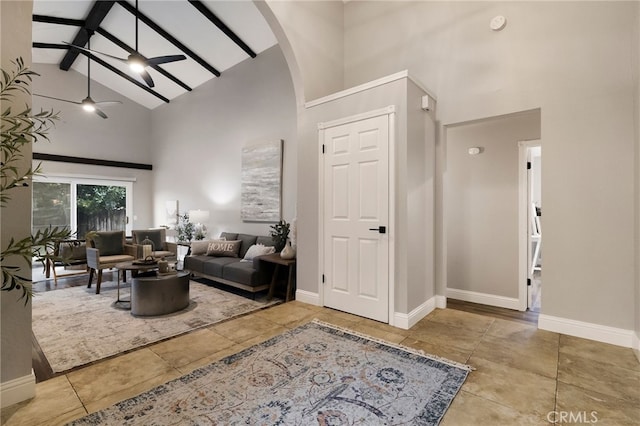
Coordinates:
(528, 281)
(322, 278)
(528, 165)
(323, 148)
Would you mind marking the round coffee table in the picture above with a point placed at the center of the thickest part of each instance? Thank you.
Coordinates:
(135, 269)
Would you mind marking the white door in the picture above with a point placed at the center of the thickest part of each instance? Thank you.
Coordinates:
(356, 217)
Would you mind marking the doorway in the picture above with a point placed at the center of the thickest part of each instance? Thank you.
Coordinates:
(531, 221)
(355, 215)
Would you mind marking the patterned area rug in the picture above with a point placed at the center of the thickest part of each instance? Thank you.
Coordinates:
(314, 374)
(75, 326)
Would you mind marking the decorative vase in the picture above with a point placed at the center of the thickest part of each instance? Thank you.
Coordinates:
(288, 252)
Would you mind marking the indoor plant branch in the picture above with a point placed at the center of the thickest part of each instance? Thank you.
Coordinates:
(17, 129)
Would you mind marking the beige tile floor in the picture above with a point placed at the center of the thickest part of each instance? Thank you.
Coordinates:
(523, 375)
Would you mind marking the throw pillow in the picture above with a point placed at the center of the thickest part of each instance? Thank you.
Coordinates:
(257, 250)
(109, 242)
(199, 248)
(223, 248)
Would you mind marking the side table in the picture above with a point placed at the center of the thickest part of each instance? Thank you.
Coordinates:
(278, 261)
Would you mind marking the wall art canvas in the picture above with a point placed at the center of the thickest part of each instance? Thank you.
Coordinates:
(261, 182)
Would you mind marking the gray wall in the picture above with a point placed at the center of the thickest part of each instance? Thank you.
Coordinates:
(15, 317)
(124, 136)
(481, 206)
(571, 60)
(197, 141)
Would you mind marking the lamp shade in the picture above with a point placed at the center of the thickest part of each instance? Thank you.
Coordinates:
(198, 216)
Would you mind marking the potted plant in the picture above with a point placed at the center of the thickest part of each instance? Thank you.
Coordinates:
(19, 129)
(279, 234)
(185, 228)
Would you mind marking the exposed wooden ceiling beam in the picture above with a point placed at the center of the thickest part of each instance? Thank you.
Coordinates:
(56, 20)
(95, 17)
(104, 64)
(169, 37)
(222, 26)
(106, 34)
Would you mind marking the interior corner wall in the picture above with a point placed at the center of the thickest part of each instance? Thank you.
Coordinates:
(482, 203)
(15, 222)
(315, 32)
(572, 61)
(124, 136)
(197, 142)
(636, 51)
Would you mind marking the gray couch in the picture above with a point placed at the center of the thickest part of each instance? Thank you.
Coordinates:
(252, 276)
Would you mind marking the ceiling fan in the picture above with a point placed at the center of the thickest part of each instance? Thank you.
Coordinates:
(137, 63)
(87, 103)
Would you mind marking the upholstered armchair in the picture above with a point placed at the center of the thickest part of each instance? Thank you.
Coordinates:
(104, 250)
(161, 247)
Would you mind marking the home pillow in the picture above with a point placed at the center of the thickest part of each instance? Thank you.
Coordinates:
(223, 248)
(199, 248)
(257, 250)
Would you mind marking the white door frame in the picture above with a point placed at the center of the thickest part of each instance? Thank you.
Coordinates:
(524, 216)
(390, 111)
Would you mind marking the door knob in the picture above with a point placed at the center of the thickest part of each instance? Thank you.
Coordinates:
(380, 229)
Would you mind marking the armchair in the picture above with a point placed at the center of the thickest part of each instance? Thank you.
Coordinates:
(161, 247)
(104, 251)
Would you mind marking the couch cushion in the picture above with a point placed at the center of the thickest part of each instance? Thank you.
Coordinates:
(265, 241)
(243, 273)
(224, 248)
(214, 266)
(195, 263)
(247, 241)
(108, 242)
(228, 236)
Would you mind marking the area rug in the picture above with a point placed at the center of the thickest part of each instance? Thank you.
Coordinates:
(314, 374)
(75, 326)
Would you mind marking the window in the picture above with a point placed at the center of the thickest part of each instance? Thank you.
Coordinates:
(82, 204)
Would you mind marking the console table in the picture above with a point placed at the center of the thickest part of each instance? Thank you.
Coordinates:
(279, 261)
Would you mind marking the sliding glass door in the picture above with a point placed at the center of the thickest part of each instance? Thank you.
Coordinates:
(83, 205)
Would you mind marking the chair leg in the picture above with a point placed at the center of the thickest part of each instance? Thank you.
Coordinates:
(99, 281)
(91, 271)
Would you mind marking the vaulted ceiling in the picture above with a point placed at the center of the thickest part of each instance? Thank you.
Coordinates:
(213, 35)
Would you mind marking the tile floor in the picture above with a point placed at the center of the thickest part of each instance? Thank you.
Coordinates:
(523, 375)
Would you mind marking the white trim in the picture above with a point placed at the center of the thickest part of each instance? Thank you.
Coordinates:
(366, 86)
(391, 273)
(441, 302)
(484, 298)
(406, 321)
(18, 390)
(586, 330)
(321, 217)
(357, 117)
(635, 345)
(309, 297)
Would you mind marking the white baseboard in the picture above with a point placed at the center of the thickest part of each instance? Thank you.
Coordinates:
(586, 330)
(484, 298)
(308, 297)
(636, 344)
(18, 390)
(441, 302)
(406, 321)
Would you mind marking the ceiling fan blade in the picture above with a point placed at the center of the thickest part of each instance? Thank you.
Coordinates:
(57, 99)
(95, 51)
(100, 113)
(147, 78)
(108, 103)
(157, 60)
